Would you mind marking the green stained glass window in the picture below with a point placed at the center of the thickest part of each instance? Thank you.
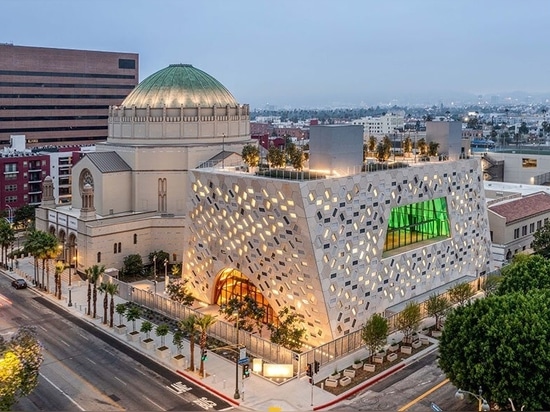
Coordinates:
(417, 222)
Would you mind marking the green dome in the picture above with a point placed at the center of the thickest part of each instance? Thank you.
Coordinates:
(177, 85)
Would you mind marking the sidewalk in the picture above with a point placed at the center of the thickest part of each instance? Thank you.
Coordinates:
(256, 392)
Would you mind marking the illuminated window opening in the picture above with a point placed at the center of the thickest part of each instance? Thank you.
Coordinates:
(233, 284)
(417, 222)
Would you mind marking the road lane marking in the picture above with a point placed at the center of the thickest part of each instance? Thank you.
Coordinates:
(91, 361)
(154, 403)
(120, 380)
(84, 336)
(419, 398)
(63, 393)
(65, 343)
(43, 328)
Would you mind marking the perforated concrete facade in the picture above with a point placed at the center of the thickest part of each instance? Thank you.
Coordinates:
(317, 246)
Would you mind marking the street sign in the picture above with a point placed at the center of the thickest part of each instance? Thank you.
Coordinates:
(435, 407)
(242, 353)
(243, 361)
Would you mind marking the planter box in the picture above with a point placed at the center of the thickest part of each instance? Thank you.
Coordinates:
(378, 359)
(331, 382)
(345, 381)
(133, 336)
(407, 350)
(178, 360)
(147, 343)
(369, 367)
(350, 373)
(392, 356)
(424, 341)
(163, 351)
(416, 344)
(357, 365)
(436, 333)
(394, 347)
(120, 329)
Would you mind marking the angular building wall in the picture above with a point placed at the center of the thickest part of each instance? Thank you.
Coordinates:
(317, 247)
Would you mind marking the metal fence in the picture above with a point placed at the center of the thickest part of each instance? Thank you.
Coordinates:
(256, 345)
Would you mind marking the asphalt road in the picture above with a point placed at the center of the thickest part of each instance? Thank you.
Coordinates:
(87, 369)
(402, 390)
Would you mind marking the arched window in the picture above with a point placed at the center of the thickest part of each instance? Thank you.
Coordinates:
(98, 257)
(114, 248)
(119, 247)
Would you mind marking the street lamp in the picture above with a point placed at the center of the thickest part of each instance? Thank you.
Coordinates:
(165, 275)
(237, 395)
(483, 405)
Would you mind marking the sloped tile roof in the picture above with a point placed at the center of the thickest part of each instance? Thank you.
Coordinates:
(108, 162)
(522, 208)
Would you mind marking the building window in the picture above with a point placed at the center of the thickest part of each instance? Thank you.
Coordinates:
(531, 227)
(174, 257)
(114, 248)
(119, 247)
(162, 190)
(417, 222)
(526, 162)
(10, 167)
(11, 199)
(539, 224)
(11, 188)
(98, 257)
(126, 64)
(135, 238)
(524, 230)
(516, 233)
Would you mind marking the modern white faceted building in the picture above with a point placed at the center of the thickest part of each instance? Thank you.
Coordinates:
(337, 249)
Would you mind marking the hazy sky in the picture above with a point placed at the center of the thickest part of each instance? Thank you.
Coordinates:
(310, 52)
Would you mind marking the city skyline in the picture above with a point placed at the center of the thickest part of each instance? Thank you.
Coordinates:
(313, 53)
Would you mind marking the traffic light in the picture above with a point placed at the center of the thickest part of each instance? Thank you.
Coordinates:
(246, 371)
(316, 366)
(309, 371)
(204, 355)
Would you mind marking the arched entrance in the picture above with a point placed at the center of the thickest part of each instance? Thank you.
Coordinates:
(233, 284)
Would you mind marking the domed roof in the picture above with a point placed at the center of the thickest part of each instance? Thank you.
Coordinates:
(177, 85)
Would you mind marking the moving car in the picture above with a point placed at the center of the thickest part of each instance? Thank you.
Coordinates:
(19, 284)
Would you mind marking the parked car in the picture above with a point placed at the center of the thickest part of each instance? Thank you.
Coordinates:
(19, 284)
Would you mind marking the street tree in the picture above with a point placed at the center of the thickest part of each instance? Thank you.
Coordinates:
(501, 343)
(375, 333)
(146, 327)
(103, 289)
(20, 361)
(408, 320)
(460, 294)
(161, 331)
(112, 290)
(251, 155)
(247, 311)
(132, 314)
(23, 217)
(525, 273)
(203, 324)
(541, 240)
(437, 306)
(59, 268)
(288, 331)
(188, 326)
(120, 310)
(7, 237)
(93, 274)
(49, 251)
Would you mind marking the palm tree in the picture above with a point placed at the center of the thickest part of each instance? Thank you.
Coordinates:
(59, 268)
(112, 290)
(189, 327)
(103, 289)
(93, 273)
(202, 325)
(7, 237)
(34, 245)
(51, 250)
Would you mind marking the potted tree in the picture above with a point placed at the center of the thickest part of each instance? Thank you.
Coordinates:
(132, 314)
(161, 331)
(120, 310)
(147, 327)
(374, 334)
(177, 340)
